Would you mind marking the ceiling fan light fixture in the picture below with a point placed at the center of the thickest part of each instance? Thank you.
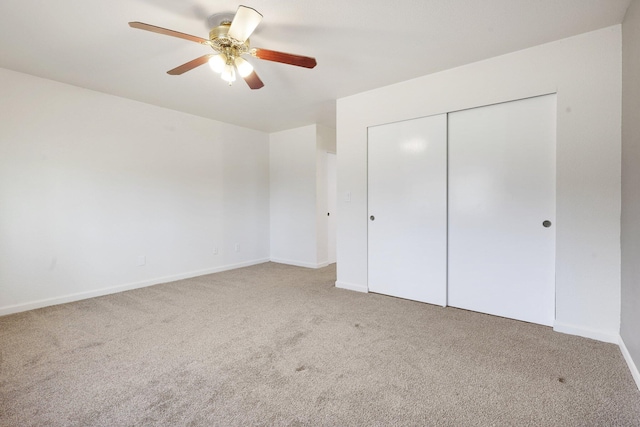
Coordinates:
(229, 74)
(218, 62)
(243, 66)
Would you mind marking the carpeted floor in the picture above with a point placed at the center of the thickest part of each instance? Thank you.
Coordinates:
(280, 345)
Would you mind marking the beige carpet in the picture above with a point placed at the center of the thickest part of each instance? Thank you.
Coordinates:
(280, 345)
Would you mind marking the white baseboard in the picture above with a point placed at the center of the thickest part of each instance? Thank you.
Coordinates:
(121, 288)
(299, 263)
(632, 366)
(351, 287)
(594, 334)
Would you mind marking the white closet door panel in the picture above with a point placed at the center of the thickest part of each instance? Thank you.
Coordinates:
(407, 197)
(501, 190)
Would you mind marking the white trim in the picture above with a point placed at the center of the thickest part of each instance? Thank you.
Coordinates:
(299, 263)
(121, 288)
(632, 366)
(595, 334)
(352, 287)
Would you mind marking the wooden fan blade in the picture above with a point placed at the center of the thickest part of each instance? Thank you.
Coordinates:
(285, 58)
(253, 81)
(243, 24)
(190, 65)
(160, 30)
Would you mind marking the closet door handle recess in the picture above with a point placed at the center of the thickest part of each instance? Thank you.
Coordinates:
(372, 218)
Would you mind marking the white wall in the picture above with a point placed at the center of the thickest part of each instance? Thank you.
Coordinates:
(630, 318)
(326, 143)
(292, 160)
(299, 195)
(91, 182)
(585, 71)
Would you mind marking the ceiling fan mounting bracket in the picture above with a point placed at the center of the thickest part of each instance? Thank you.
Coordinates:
(220, 19)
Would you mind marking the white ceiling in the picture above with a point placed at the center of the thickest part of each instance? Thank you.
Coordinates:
(359, 45)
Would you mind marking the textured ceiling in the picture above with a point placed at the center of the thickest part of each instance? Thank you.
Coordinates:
(359, 44)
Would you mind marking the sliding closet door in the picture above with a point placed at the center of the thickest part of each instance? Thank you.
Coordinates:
(502, 209)
(407, 196)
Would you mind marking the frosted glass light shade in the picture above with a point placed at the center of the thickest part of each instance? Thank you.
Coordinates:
(229, 73)
(244, 67)
(218, 62)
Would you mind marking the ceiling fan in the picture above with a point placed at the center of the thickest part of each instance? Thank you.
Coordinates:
(229, 38)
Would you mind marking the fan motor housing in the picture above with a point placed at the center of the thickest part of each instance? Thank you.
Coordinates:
(222, 42)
